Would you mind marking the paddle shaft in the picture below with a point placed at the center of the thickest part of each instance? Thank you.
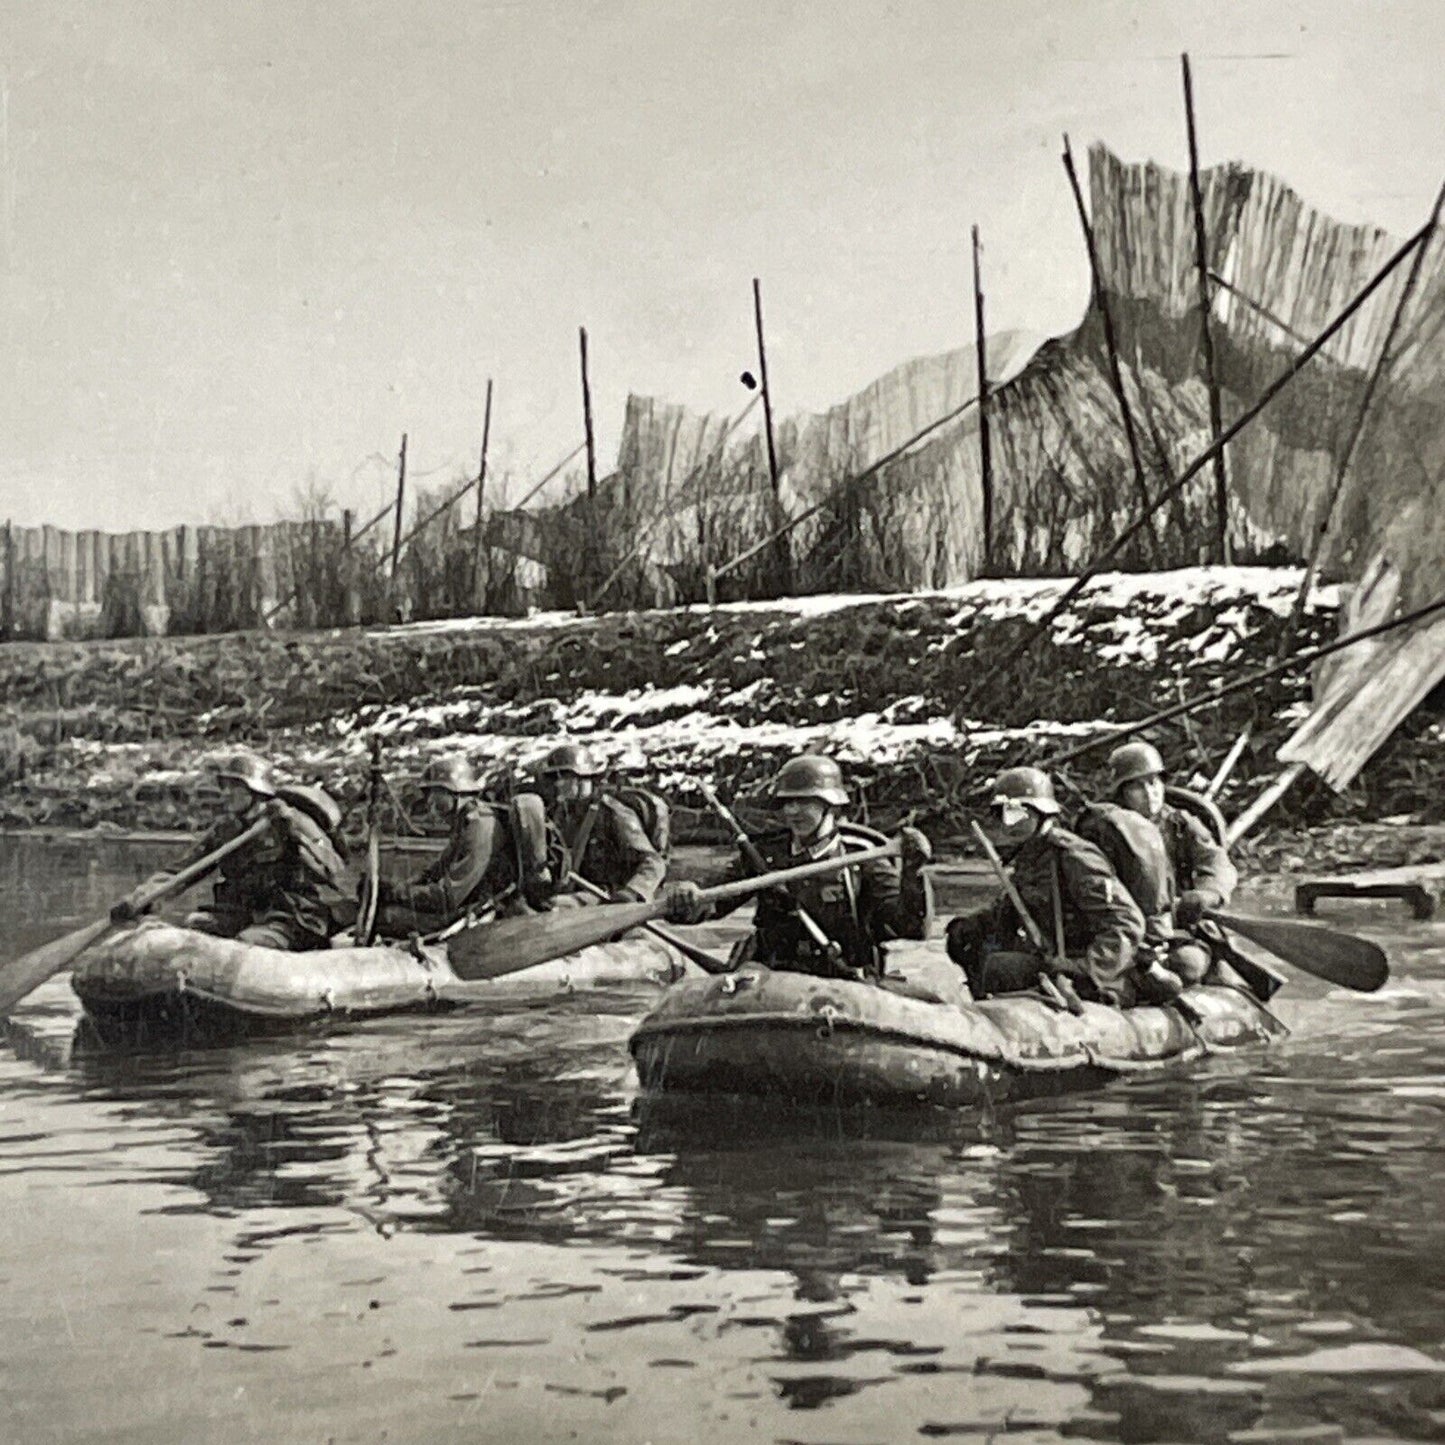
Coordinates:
(704, 960)
(24, 974)
(492, 950)
(755, 860)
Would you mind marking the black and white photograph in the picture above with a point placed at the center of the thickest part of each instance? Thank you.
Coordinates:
(722, 723)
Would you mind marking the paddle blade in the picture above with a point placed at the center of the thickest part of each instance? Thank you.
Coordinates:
(1339, 958)
(490, 950)
(25, 974)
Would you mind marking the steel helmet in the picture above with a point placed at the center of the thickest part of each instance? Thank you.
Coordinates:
(452, 772)
(571, 758)
(247, 768)
(1132, 763)
(811, 776)
(1029, 786)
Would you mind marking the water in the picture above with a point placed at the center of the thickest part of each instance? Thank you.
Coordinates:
(460, 1228)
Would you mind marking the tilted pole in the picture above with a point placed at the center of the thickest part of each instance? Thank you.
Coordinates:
(587, 416)
(1111, 343)
(1206, 334)
(783, 551)
(985, 451)
(400, 497)
(478, 549)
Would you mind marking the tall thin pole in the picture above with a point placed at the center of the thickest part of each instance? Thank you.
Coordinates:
(400, 498)
(783, 549)
(985, 448)
(587, 417)
(1206, 334)
(1111, 344)
(478, 575)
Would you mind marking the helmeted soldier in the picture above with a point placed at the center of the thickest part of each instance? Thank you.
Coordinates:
(1092, 926)
(279, 890)
(493, 852)
(1176, 886)
(606, 839)
(834, 926)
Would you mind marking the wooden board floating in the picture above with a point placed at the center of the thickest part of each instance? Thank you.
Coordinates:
(1419, 887)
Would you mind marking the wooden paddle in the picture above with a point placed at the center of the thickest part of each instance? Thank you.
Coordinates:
(493, 949)
(1340, 958)
(22, 975)
(371, 891)
(706, 961)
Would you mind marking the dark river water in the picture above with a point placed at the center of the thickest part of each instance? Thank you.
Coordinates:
(463, 1228)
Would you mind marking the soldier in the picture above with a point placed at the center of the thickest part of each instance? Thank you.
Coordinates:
(606, 839)
(492, 851)
(277, 891)
(850, 915)
(1092, 925)
(1198, 874)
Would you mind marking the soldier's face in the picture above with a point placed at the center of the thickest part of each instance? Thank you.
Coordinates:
(804, 817)
(569, 788)
(236, 797)
(1145, 797)
(438, 802)
(1012, 823)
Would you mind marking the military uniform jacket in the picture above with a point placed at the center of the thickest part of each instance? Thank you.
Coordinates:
(616, 853)
(859, 908)
(1197, 859)
(292, 871)
(476, 862)
(1102, 925)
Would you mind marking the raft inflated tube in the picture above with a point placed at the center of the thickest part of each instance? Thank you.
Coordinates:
(824, 1041)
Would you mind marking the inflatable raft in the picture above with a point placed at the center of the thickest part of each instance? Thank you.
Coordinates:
(789, 1036)
(160, 980)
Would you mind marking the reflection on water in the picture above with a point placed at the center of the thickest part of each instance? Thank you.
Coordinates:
(464, 1227)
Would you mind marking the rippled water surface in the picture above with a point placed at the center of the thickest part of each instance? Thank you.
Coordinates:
(464, 1228)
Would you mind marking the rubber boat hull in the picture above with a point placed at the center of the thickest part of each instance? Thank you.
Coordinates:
(158, 980)
(791, 1037)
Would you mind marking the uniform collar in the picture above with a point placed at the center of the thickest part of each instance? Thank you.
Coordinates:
(821, 848)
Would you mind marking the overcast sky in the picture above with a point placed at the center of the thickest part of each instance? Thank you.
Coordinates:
(244, 245)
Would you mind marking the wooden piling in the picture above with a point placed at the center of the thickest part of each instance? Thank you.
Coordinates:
(479, 577)
(782, 548)
(1206, 333)
(587, 416)
(985, 449)
(400, 498)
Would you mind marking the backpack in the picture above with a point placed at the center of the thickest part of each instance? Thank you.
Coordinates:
(1135, 848)
(315, 803)
(654, 812)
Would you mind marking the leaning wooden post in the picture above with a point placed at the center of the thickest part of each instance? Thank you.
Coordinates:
(9, 580)
(782, 546)
(1111, 344)
(400, 498)
(1206, 334)
(985, 451)
(479, 580)
(587, 416)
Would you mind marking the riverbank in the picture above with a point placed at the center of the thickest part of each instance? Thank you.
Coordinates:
(899, 688)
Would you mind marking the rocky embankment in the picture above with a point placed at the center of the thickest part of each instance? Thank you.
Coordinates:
(901, 689)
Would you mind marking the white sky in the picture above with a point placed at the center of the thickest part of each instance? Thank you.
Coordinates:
(247, 245)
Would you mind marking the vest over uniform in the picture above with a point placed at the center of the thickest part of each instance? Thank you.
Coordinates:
(616, 854)
(860, 908)
(291, 875)
(476, 863)
(1102, 925)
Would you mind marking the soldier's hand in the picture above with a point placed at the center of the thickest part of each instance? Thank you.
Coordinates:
(914, 847)
(124, 912)
(1158, 984)
(1189, 908)
(684, 902)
